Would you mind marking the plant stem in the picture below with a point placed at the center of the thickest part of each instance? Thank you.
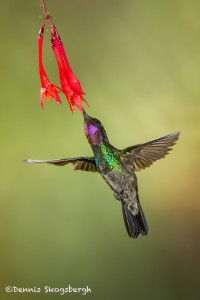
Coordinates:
(46, 13)
(44, 7)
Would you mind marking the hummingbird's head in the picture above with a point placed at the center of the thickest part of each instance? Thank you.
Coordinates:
(94, 131)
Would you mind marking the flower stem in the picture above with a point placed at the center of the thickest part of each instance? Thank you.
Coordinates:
(44, 7)
(48, 17)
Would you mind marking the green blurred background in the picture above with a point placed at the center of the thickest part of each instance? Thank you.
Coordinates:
(139, 64)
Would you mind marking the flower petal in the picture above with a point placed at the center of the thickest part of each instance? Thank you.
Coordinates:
(53, 92)
(76, 100)
(63, 79)
(73, 81)
(42, 94)
(48, 96)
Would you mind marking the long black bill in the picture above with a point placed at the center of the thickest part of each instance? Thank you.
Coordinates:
(85, 114)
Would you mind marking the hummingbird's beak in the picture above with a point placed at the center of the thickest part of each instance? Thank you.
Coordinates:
(85, 114)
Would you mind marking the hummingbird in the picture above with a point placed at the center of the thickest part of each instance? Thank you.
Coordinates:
(118, 167)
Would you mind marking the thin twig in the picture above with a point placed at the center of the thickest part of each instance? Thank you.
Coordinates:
(48, 17)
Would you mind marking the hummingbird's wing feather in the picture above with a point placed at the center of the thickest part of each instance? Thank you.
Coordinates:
(80, 163)
(143, 155)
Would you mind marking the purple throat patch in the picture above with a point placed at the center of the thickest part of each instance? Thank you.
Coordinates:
(93, 135)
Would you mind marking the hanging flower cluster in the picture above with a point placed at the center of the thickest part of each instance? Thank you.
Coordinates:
(70, 85)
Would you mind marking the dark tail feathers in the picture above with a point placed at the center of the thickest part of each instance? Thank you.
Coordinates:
(135, 225)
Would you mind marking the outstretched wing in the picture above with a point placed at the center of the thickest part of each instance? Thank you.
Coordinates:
(142, 156)
(80, 163)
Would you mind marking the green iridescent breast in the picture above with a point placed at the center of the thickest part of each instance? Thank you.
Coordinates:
(111, 157)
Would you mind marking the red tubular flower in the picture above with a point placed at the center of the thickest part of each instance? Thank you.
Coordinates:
(48, 89)
(63, 80)
(69, 83)
(74, 82)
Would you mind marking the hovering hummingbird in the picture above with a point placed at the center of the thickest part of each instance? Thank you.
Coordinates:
(118, 167)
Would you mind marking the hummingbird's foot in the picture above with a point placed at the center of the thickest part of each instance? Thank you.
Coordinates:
(129, 199)
(117, 196)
